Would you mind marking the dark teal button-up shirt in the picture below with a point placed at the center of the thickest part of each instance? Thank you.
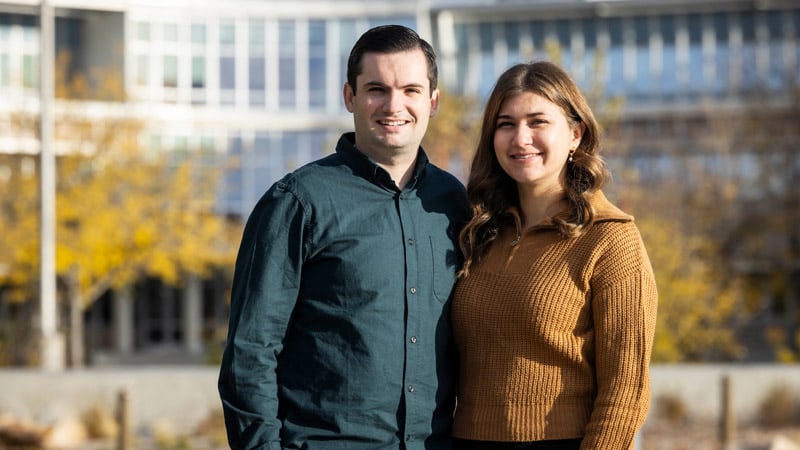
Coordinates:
(340, 333)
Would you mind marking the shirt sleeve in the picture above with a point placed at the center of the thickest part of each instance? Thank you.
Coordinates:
(263, 295)
(624, 311)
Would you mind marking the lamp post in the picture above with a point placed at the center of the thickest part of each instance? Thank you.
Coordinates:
(52, 346)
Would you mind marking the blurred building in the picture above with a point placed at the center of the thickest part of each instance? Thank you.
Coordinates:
(258, 83)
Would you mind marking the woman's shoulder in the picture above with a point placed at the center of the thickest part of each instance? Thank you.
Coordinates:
(605, 211)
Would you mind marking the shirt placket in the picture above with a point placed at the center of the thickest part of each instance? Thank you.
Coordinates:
(412, 299)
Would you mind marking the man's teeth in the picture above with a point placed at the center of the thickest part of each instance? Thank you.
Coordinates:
(393, 123)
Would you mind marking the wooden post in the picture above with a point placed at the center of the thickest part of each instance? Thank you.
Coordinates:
(727, 424)
(124, 441)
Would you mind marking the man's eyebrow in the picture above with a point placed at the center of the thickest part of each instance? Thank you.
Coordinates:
(379, 84)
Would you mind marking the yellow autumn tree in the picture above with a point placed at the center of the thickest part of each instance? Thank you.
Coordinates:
(123, 212)
(453, 133)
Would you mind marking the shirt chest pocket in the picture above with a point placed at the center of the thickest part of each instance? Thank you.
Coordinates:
(444, 265)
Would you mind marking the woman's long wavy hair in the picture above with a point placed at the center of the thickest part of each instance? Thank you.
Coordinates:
(492, 192)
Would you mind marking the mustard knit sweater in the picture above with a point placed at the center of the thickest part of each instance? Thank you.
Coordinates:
(554, 335)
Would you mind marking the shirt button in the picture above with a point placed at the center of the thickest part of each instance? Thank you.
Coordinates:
(413, 339)
(410, 242)
(410, 388)
(413, 290)
(408, 437)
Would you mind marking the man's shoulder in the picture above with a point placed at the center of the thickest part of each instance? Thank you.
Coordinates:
(441, 178)
(315, 172)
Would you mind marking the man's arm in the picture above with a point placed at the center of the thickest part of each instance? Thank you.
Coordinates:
(264, 292)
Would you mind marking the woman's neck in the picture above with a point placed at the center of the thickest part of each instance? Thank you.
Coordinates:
(538, 205)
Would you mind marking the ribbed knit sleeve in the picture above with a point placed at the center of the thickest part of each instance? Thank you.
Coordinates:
(624, 303)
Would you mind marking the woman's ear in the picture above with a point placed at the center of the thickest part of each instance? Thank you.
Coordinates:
(577, 134)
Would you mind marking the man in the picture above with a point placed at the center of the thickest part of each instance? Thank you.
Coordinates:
(339, 334)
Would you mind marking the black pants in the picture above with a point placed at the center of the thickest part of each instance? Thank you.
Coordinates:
(559, 444)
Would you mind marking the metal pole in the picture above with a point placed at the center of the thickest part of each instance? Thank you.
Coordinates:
(51, 344)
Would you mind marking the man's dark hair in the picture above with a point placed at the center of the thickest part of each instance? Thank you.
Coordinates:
(389, 39)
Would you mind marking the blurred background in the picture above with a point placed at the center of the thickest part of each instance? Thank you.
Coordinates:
(136, 136)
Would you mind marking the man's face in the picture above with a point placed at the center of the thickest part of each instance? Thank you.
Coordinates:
(392, 104)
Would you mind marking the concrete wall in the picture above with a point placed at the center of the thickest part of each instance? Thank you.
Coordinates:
(183, 396)
(700, 387)
(180, 396)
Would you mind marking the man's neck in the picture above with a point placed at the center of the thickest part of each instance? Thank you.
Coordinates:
(401, 172)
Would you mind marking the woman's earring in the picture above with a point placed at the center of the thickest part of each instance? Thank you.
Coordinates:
(571, 152)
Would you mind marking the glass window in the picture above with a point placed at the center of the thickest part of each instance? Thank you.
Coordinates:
(288, 140)
(227, 72)
(170, 71)
(669, 72)
(30, 28)
(564, 43)
(5, 26)
(255, 33)
(462, 56)
(30, 71)
(286, 63)
(511, 30)
(5, 77)
(257, 62)
(486, 68)
(227, 63)
(198, 33)
(317, 73)
(232, 180)
(227, 34)
(143, 31)
(615, 85)
(722, 54)
(643, 84)
(537, 36)
(594, 67)
(257, 73)
(198, 72)
(749, 67)
(142, 70)
(696, 81)
(347, 37)
(777, 69)
(796, 68)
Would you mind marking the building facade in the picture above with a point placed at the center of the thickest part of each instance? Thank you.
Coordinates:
(258, 84)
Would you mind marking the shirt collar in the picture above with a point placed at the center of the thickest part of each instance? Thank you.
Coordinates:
(365, 167)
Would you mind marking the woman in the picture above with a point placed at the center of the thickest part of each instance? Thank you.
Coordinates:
(554, 311)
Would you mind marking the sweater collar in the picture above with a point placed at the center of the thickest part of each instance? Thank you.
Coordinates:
(604, 211)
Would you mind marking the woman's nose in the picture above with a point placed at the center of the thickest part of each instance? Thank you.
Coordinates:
(522, 135)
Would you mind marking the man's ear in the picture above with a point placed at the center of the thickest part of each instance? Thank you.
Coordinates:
(434, 102)
(348, 94)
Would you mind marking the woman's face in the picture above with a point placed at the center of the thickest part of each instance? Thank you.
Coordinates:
(532, 141)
